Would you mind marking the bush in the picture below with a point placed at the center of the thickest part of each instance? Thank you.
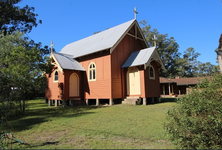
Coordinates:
(196, 121)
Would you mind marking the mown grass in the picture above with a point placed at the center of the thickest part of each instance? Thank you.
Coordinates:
(91, 127)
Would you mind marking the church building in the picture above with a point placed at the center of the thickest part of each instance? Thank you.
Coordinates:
(114, 64)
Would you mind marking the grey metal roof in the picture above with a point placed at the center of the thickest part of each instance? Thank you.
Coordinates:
(67, 62)
(97, 42)
(139, 57)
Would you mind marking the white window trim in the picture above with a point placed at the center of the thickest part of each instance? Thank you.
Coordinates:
(54, 76)
(92, 73)
(153, 73)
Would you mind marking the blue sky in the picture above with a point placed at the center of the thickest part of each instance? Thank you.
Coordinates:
(193, 23)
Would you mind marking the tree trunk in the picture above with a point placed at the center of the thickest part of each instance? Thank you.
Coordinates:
(23, 109)
(220, 61)
(220, 56)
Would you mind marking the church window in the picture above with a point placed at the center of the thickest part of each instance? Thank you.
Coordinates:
(92, 71)
(56, 76)
(152, 72)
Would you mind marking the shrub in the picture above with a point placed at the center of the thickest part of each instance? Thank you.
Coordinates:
(195, 122)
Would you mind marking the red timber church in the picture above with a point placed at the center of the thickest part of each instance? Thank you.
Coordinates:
(114, 64)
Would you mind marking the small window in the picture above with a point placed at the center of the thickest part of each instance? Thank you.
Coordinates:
(152, 72)
(56, 76)
(92, 71)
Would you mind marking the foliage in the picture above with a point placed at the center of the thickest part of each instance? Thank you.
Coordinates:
(190, 67)
(206, 69)
(14, 18)
(168, 49)
(22, 62)
(196, 121)
(22, 71)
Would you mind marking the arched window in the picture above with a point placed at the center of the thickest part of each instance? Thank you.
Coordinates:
(92, 71)
(152, 72)
(56, 76)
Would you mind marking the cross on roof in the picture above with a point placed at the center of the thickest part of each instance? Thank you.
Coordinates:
(135, 12)
(52, 46)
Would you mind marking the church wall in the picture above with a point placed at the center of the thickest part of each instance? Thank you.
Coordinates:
(152, 86)
(142, 82)
(101, 88)
(118, 57)
(66, 84)
(53, 92)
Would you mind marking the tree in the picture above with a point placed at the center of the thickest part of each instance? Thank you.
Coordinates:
(207, 69)
(22, 70)
(195, 122)
(191, 67)
(167, 48)
(14, 18)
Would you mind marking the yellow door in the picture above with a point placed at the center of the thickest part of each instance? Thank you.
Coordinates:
(133, 81)
(73, 85)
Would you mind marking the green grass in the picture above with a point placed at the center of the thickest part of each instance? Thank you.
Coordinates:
(91, 127)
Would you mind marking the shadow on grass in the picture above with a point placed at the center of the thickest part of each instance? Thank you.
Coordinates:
(24, 124)
(50, 143)
(173, 99)
(42, 113)
(44, 144)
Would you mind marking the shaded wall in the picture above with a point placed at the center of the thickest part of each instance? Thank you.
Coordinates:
(101, 88)
(80, 74)
(118, 57)
(152, 86)
(54, 91)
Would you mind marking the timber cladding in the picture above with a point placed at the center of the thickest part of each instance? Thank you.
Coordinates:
(118, 57)
(53, 90)
(80, 76)
(152, 86)
(101, 86)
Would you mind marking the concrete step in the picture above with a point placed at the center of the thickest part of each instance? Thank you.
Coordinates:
(132, 97)
(131, 100)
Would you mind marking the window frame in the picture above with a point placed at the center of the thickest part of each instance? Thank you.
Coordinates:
(92, 72)
(151, 77)
(54, 75)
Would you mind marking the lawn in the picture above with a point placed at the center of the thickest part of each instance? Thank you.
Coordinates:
(91, 127)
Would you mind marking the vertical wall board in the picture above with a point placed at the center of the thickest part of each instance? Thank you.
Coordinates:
(119, 56)
(101, 87)
(53, 91)
(152, 85)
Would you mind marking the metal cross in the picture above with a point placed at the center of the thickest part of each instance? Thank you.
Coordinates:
(135, 12)
(51, 45)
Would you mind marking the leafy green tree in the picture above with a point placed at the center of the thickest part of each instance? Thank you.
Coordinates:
(195, 122)
(22, 70)
(207, 69)
(167, 48)
(14, 18)
(191, 67)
